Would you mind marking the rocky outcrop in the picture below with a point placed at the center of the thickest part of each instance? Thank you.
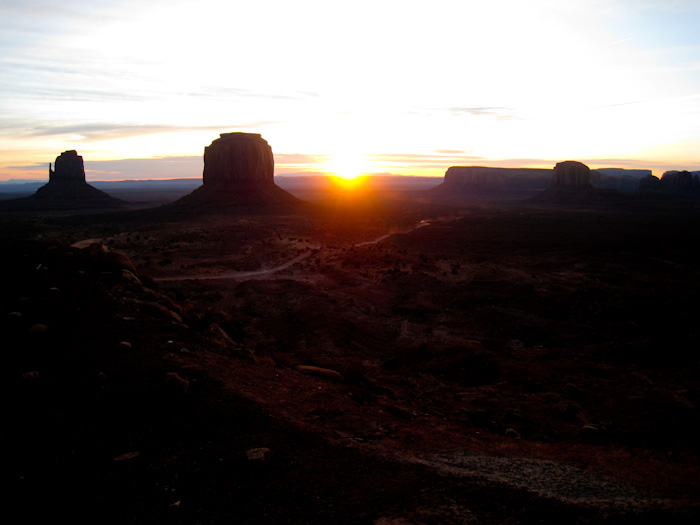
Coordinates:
(571, 186)
(571, 174)
(672, 183)
(69, 168)
(238, 177)
(462, 181)
(620, 179)
(649, 183)
(66, 189)
(236, 160)
(473, 176)
(679, 180)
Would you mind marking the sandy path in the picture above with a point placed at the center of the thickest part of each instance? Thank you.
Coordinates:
(240, 275)
(268, 271)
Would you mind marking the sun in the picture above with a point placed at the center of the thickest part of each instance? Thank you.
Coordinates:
(348, 165)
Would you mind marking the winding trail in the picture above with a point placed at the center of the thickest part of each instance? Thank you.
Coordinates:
(378, 239)
(235, 274)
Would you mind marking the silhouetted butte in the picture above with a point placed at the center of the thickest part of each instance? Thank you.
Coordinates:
(238, 176)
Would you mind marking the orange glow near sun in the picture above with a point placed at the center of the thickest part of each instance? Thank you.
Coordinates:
(353, 184)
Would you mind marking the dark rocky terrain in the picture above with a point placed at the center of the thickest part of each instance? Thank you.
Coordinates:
(500, 363)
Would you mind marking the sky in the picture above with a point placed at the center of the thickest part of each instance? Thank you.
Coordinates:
(139, 88)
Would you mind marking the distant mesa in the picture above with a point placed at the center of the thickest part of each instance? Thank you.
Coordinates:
(672, 182)
(620, 179)
(649, 183)
(238, 176)
(67, 189)
(571, 174)
(680, 180)
(572, 185)
(463, 181)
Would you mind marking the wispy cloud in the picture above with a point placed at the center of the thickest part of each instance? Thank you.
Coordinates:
(452, 152)
(226, 93)
(110, 131)
(497, 112)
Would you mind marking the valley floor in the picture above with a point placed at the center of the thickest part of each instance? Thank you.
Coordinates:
(501, 364)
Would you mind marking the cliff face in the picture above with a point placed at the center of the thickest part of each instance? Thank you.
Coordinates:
(238, 160)
(466, 182)
(572, 186)
(66, 189)
(649, 183)
(464, 176)
(238, 177)
(69, 168)
(679, 180)
(571, 174)
(673, 182)
(487, 177)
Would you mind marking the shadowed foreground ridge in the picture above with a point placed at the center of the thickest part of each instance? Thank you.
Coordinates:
(67, 189)
(238, 176)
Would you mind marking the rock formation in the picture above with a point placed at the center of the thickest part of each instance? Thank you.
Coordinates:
(66, 189)
(571, 185)
(238, 160)
(238, 176)
(461, 181)
(620, 179)
(69, 168)
(678, 180)
(571, 174)
(672, 183)
(649, 183)
(473, 176)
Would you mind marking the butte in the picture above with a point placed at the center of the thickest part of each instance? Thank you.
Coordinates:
(571, 186)
(238, 178)
(66, 189)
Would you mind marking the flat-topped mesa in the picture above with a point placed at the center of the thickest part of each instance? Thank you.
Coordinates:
(238, 177)
(473, 175)
(238, 160)
(69, 168)
(571, 174)
(478, 182)
(484, 176)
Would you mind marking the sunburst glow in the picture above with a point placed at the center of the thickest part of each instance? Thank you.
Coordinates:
(348, 165)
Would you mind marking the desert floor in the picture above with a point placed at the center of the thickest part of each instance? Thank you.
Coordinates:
(395, 362)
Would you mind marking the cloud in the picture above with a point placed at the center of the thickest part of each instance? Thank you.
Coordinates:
(452, 151)
(497, 112)
(226, 94)
(111, 131)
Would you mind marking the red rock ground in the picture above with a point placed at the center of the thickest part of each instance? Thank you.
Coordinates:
(516, 365)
